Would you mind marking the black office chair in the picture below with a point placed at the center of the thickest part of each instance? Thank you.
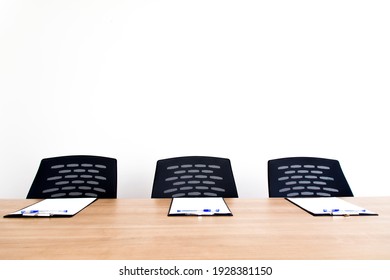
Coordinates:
(194, 176)
(75, 176)
(306, 177)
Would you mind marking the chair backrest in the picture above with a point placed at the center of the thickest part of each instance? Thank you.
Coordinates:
(306, 177)
(194, 176)
(75, 176)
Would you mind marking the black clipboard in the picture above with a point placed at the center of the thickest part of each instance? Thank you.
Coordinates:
(199, 206)
(52, 208)
(329, 206)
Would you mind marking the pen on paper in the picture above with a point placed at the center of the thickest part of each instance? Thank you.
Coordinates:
(342, 211)
(43, 211)
(198, 211)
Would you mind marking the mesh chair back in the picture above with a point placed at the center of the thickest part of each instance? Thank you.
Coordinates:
(306, 177)
(75, 176)
(194, 176)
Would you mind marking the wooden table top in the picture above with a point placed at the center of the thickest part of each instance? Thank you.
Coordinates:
(139, 229)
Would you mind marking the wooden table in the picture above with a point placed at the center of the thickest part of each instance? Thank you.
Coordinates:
(269, 228)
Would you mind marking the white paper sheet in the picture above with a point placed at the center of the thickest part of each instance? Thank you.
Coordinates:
(199, 206)
(329, 206)
(55, 207)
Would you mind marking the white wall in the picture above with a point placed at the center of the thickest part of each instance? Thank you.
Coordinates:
(144, 80)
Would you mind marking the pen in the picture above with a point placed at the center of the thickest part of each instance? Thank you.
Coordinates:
(43, 211)
(198, 211)
(343, 212)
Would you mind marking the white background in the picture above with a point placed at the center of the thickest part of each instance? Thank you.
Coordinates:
(145, 80)
(281, 269)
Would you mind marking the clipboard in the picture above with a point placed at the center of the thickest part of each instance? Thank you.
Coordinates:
(53, 208)
(199, 206)
(329, 206)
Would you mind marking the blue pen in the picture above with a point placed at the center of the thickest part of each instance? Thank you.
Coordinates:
(43, 211)
(209, 210)
(197, 211)
(340, 211)
(29, 212)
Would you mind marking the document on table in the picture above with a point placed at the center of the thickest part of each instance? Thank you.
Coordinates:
(53, 207)
(323, 206)
(199, 206)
